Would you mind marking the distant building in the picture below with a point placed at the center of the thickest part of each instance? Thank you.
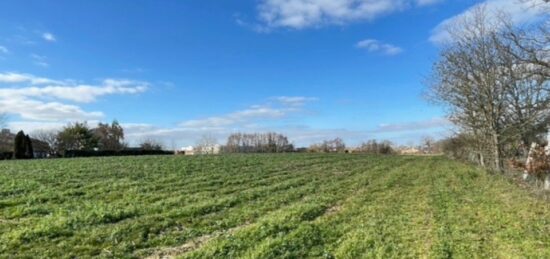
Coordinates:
(409, 151)
(209, 150)
(188, 151)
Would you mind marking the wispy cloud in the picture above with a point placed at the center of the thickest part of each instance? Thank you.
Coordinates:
(33, 126)
(44, 99)
(377, 46)
(13, 78)
(413, 125)
(284, 106)
(239, 117)
(428, 2)
(81, 93)
(40, 60)
(294, 100)
(300, 14)
(519, 12)
(4, 50)
(48, 36)
(34, 109)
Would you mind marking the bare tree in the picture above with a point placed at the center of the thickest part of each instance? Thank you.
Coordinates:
(530, 46)
(336, 145)
(50, 137)
(374, 147)
(489, 90)
(258, 143)
(206, 145)
(428, 144)
(151, 144)
(543, 5)
(525, 69)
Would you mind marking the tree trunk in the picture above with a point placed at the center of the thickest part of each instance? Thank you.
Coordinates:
(481, 159)
(547, 182)
(496, 152)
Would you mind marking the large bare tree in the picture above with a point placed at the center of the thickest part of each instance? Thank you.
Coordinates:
(489, 88)
(47, 136)
(151, 144)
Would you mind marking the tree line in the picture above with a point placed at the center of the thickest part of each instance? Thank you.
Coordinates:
(79, 136)
(81, 139)
(270, 142)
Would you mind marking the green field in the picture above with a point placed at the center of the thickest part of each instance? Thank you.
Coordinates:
(266, 206)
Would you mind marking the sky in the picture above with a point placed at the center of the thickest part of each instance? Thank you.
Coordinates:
(174, 71)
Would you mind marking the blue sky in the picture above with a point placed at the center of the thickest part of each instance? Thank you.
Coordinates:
(176, 70)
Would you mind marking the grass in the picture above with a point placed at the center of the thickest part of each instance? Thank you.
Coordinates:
(266, 206)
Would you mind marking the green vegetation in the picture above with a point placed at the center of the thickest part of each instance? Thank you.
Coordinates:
(266, 206)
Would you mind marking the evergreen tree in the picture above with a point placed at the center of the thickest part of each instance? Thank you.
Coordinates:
(29, 152)
(19, 145)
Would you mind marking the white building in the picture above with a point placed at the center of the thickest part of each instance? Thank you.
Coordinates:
(188, 151)
(208, 150)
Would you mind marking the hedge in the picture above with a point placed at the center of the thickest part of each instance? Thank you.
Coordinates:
(6, 155)
(92, 153)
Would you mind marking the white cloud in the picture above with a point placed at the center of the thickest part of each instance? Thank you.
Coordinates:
(43, 99)
(519, 12)
(48, 37)
(377, 46)
(4, 50)
(285, 105)
(31, 126)
(239, 117)
(12, 78)
(413, 126)
(299, 14)
(32, 109)
(66, 91)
